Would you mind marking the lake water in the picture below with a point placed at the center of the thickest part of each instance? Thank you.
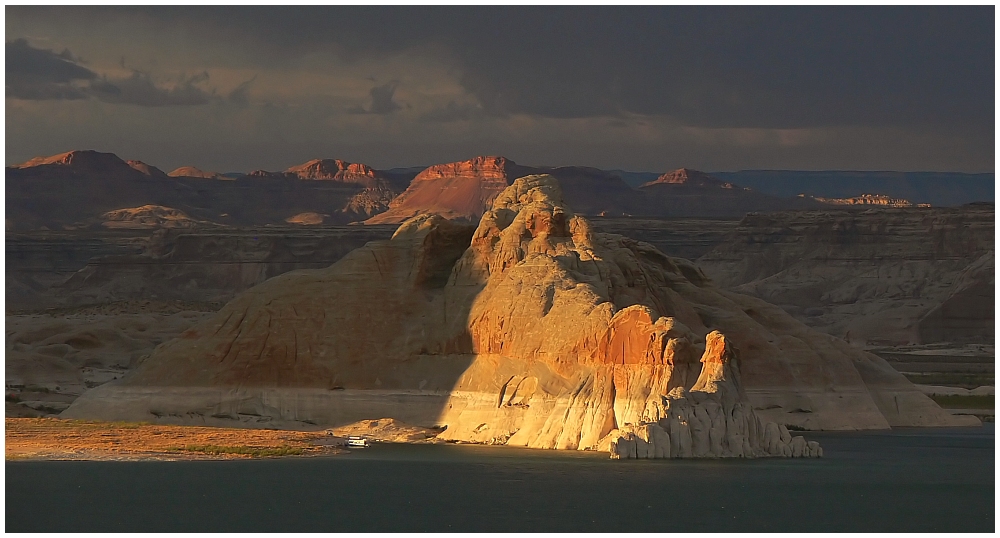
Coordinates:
(905, 480)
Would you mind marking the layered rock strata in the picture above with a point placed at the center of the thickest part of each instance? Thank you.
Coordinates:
(886, 276)
(712, 420)
(527, 330)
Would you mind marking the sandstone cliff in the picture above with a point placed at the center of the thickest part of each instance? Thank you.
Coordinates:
(529, 329)
(459, 190)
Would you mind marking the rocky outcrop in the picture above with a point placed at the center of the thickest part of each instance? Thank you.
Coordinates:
(527, 330)
(150, 217)
(309, 218)
(191, 171)
(713, 419)
(79, 160)
(146, 170)
(459, 190)
(967, 313)
(869, 199)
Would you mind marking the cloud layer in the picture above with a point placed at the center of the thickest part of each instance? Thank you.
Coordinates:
(652, 87)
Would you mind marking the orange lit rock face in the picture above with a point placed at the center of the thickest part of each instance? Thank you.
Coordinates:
(460, 190)
(338, 170)
(79, 158)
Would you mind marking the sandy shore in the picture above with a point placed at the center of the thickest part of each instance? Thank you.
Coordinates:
(58, 439)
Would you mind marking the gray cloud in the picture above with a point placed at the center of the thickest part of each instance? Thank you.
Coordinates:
(381, 100)
(139, 89)
(40, 74)
(917, 82)
(451, 112)
(240, 95)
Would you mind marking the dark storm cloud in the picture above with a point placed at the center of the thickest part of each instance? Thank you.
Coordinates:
(755, 67)
(382, 102)
(40, 74)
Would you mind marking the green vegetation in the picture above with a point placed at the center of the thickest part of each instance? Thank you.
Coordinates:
(956, 401)
(243, 450)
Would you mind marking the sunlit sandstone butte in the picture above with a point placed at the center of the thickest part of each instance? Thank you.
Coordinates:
(528, 330)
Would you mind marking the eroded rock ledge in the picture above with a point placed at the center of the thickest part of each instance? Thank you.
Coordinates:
(712, 420)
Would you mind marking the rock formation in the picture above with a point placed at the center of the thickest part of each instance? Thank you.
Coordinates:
(459, 190)
(528, 330)
(149, 217)
(79, 186)
(146, 169)
(309, 218)
(868, 200)
(869, 276)
(713, 419)
(690, 193)
(191, 171)
(465, 190)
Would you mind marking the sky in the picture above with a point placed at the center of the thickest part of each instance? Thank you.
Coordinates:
(640, 88)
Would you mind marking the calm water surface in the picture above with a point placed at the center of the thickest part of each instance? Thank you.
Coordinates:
(904, 480)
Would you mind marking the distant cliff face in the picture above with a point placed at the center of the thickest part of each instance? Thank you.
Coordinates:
(459, 190)
(529, 329)
(882, 275)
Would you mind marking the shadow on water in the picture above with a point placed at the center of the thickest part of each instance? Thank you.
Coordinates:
(905, 480)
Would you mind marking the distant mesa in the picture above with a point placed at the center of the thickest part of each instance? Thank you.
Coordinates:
(334, 170)
(79, 159)
(191, 171)
(689, 177)
(308, 218)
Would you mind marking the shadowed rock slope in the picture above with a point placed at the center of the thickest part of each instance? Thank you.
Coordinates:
(527, 330)
(880, 276)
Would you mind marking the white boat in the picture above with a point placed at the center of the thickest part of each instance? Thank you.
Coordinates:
(356, 441)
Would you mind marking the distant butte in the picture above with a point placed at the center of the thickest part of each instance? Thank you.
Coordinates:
(191, 171)
(687, 176)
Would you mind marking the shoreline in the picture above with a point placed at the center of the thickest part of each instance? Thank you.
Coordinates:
(54, 439)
